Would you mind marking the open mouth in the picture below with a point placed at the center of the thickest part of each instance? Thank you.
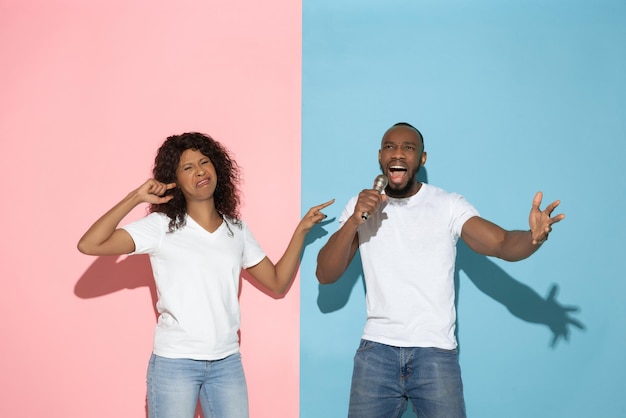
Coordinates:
(397, 173)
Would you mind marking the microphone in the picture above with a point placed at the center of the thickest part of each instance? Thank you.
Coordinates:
(380, 182)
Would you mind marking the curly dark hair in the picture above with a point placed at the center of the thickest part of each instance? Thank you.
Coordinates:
(226, 193)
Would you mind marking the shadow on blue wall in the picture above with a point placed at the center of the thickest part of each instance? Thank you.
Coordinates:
(522, 301)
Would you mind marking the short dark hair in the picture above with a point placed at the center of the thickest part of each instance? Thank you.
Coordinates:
(408, 125)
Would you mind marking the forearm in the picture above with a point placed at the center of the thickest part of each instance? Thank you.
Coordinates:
(489, 239)
(278, 277)
(517, 245)
(288, 264)
(91, 242)
(335, 257)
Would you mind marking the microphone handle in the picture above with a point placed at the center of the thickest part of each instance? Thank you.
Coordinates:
(379, 185)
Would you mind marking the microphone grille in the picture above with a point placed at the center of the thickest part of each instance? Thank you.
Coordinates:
(380, 182)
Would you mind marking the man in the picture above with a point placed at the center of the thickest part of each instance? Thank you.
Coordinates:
(407, 241)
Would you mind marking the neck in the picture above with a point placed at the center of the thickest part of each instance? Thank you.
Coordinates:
(205, 214)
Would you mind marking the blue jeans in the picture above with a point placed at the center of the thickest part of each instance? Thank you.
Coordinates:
(175, 385)
(385, 378)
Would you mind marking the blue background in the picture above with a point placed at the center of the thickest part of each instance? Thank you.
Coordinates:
(512, 98)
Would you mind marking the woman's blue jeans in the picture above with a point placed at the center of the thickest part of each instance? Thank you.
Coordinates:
(175, 385)
(385, 378)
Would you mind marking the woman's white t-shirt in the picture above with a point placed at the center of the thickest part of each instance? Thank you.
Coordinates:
(197, 276)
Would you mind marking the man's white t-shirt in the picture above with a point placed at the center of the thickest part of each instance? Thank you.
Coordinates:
(197, 277)
(408, 251)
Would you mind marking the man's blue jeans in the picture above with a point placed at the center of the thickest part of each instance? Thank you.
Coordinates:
(385, 378)
(175, 385)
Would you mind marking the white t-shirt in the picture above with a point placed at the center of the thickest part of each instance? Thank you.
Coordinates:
(408, 251)
(197, 279)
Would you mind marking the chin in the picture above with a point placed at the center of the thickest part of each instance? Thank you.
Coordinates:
(400, 190)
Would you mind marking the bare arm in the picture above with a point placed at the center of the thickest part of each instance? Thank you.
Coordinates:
(335, 257)
(489, 239)
(278, 277)
(104, 237)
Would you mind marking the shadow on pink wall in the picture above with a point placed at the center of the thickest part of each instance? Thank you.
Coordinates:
(111, 274)
(107, 275)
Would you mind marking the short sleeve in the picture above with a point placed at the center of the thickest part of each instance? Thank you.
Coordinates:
(147, 233)
(253, 254)
(462, 210)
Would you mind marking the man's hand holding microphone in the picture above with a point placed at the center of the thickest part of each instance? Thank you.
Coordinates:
(370, 199)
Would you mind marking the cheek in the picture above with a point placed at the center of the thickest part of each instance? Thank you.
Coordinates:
(182, 178)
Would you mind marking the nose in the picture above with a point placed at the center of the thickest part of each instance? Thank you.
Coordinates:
(397, 153)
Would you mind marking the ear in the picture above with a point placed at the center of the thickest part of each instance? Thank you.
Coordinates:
(424, 155)
(379, 152)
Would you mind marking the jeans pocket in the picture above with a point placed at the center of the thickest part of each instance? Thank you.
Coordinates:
(365, 345)
(445, 351)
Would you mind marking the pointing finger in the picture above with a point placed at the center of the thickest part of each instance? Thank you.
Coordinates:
(323, 205)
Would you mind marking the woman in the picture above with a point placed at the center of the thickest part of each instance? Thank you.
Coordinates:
(197, 245)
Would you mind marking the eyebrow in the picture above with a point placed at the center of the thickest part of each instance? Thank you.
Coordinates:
(388, 141)
(192, 161)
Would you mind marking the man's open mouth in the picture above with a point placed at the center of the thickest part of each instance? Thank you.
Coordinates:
(396, 173)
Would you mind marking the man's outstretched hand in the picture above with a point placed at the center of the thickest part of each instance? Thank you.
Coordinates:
(541, 221)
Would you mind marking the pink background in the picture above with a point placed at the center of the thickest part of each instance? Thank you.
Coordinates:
(89, 91)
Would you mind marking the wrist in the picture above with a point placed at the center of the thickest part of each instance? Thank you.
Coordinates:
(537, 241)
(352, 225)
(134, 198)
